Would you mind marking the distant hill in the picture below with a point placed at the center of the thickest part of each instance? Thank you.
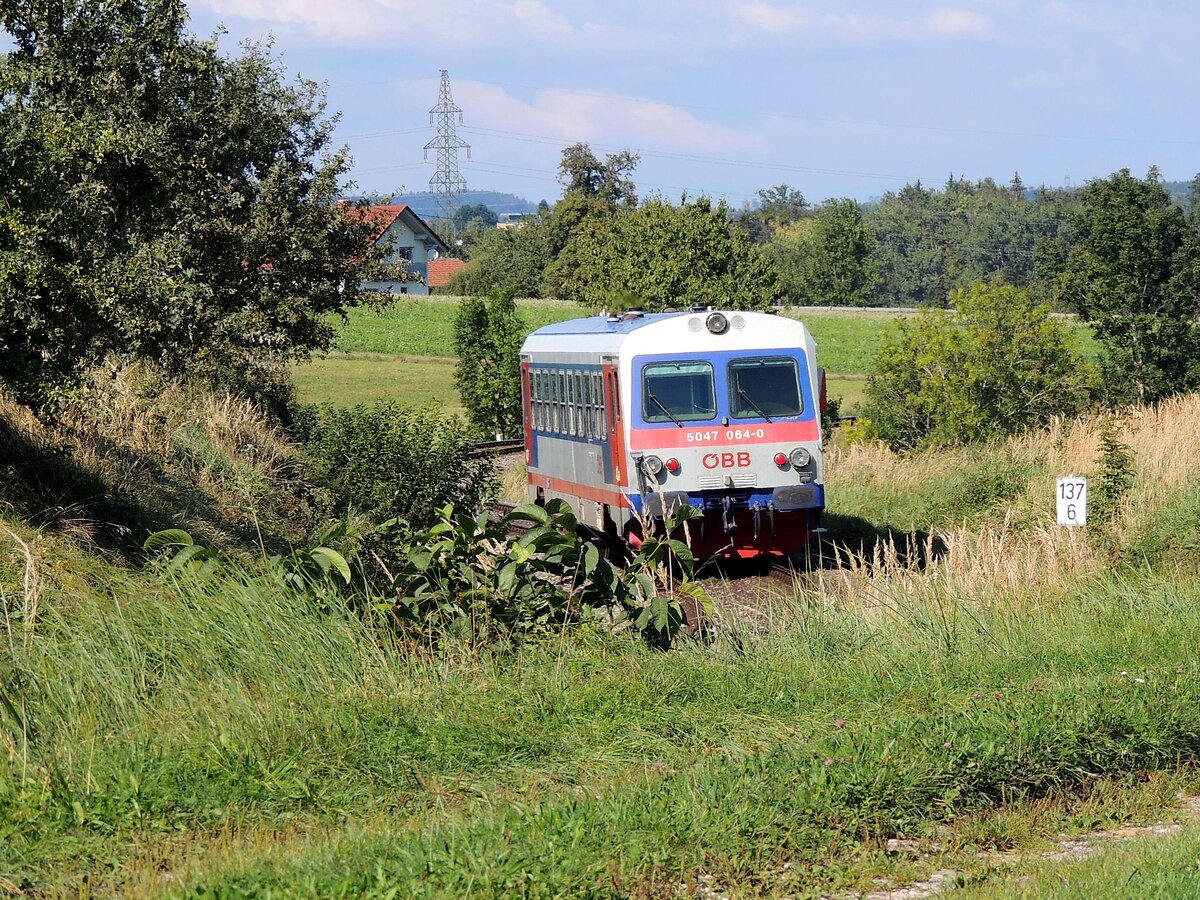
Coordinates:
(425, 204)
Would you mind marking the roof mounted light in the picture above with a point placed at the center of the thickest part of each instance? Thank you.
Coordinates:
(716, 323)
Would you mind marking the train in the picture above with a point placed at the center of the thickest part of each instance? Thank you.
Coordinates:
(627, 416)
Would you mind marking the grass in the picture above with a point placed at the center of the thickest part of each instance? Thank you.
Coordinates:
(347, 379)
(220, 733)
(978, 687)
(425, 326)
(1161, 868)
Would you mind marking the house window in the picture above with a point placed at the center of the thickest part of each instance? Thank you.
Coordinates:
(403, 253)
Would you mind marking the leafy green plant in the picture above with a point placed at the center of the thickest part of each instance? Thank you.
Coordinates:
(487, 340)
(997, 365)
(316, 571)
(391, 461)
(185, 553)
(466, 577)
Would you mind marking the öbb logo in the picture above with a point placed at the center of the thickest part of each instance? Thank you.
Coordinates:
(725, 460)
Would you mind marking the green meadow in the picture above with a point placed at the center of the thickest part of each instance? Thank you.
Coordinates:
(407, 351)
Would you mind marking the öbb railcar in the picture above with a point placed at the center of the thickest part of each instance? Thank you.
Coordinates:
(627, 416)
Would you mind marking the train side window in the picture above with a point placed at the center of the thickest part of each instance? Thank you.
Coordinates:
(598, 411)
(560, 389)
(539, 405)
(570, 395)
(570, 403)
(580, 406)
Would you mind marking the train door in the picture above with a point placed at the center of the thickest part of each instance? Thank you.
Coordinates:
(614, 421)
(527, 413)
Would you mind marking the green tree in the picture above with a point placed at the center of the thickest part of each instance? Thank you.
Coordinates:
(775, 208)
(592, 191)
(998, 364)
(487, 339)
(477, 212)
(1134, 273)
(667, 256)
(833, 266)
(161, 199)
(513, 260)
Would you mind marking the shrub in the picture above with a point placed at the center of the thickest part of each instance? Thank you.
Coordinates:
(393, 461)
(487, 339)
(996, 365)
(466, 578)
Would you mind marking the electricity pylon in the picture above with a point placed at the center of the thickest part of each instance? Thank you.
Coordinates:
(447, 182)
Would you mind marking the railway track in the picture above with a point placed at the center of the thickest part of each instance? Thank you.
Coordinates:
(496, 448)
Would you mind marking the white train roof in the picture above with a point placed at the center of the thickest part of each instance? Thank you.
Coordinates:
(659, 332)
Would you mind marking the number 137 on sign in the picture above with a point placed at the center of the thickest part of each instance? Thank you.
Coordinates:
(1071, 496)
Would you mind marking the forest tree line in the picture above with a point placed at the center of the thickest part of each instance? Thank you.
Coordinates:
(600, 246)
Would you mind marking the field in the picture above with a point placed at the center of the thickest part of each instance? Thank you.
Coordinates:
(407, 352)
(954, 685)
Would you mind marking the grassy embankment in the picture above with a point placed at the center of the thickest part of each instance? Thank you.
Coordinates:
(407, 352)
(218, 738)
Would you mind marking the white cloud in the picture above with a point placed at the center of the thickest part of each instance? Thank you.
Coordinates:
(565, 116)
(942, 23)
(454, 22)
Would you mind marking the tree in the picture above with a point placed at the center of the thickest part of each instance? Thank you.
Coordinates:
(592, 192)
(162, 200)
(487, 339)
(513, 260)
(998, 364)
(832, 266)
(1193, 201)
(776, 207)
(478, 212)
(581, 172)
(1134, 273)
(661, 256)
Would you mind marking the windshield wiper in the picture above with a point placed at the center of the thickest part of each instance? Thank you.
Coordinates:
(663, 407)
(755, 406)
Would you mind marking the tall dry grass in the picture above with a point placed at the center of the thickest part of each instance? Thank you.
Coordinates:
(1019, 551)
(133, 452)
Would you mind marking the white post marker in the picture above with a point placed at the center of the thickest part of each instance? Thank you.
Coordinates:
(1071, 494)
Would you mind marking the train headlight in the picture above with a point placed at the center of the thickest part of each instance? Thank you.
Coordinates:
(716, 323)
(800, 457)
(652, 465)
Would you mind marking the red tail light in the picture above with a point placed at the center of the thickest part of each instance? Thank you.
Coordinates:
(781, 459)
(673, 466)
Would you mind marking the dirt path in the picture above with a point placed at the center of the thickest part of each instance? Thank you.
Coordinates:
(1067, 849)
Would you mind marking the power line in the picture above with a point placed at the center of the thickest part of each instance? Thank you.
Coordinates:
(524, 137)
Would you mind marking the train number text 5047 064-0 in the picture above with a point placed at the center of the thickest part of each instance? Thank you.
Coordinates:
(729, 434)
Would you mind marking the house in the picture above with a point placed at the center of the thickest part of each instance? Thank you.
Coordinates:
(408, 240)
(440, 271)
(513, 219)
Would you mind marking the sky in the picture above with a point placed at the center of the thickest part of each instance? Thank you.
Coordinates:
(727, 98)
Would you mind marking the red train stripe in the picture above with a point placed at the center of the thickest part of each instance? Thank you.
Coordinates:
(725, 435)
(586, 491)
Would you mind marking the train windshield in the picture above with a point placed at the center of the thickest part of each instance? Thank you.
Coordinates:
(764, 387)
(678, 392)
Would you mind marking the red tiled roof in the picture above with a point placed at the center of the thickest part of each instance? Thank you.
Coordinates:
(441, 269)
(381, 217)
